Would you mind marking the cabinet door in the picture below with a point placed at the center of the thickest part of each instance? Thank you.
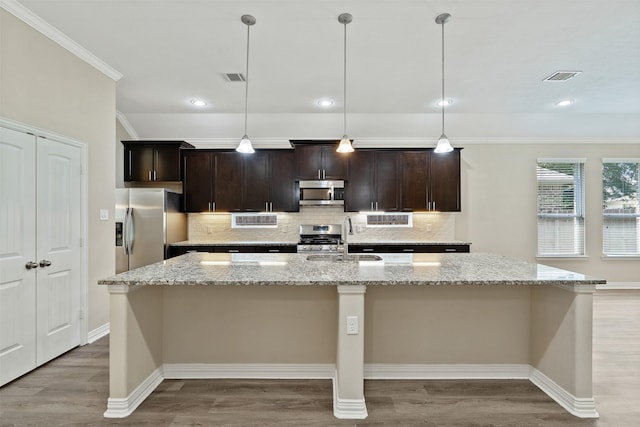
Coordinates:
(386, 181)
(167, 163)
(198, 181)
(445, 181)
(415, 180)
(138, 163)
(308, 160)
(282, 191)
(359, 191)
(255, 181)
(334, 164)
(228, 181)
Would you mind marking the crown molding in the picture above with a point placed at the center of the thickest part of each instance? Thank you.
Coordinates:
(223, 143)
(48, 30)
(126, 125)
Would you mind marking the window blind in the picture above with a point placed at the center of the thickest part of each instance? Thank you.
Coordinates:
(620, 209)
(560, 208)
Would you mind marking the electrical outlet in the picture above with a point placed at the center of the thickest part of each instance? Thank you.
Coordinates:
(352, 325)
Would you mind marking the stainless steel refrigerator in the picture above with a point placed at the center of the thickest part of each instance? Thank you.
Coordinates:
(147, 221)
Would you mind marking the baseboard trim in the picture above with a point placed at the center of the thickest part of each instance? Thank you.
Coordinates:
(249, 370)
(580, 407)
(120, 407)
(97, 333)
(382, 371)
(347, 409)
(610, 286)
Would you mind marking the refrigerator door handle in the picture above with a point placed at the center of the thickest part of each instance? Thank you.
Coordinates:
(125, 232)
(128, 232)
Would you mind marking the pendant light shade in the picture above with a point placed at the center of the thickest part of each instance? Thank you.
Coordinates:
(443, 146)
(245, 143)
(345, 143)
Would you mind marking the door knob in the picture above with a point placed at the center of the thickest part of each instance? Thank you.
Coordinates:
(31, 265)
(45, 263)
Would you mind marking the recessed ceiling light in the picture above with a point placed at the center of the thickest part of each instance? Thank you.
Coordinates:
(445, 102)
(564, 102)
(198, 102)
(325, 102)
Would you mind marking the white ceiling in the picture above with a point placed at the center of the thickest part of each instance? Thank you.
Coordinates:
(497, 54)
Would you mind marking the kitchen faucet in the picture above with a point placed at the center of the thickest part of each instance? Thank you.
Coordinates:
(345, 233)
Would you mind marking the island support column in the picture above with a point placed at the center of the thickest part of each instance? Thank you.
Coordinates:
(348, 399)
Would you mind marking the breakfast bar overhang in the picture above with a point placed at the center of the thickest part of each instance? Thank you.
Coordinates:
(404, 316)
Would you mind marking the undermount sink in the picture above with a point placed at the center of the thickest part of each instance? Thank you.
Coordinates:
(342, 258)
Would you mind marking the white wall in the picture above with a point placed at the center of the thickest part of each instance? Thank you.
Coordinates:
(45, 86)
(499, 203)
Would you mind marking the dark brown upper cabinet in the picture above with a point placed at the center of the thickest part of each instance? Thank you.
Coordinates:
(319, 160)
(268, 181)
(150, 161)
(430, 181)
(227, 181)
(444, 181)
(372, 181)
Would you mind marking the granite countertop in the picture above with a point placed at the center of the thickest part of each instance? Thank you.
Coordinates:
(232, 243)
(351, 242)
(395, 269)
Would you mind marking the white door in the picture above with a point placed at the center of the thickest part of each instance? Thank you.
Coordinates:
(58, 249)
(17, 250)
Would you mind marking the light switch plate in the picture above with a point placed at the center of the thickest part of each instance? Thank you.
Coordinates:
(104, 214)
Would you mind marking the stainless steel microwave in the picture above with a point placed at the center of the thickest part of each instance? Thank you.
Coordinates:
(321, 192)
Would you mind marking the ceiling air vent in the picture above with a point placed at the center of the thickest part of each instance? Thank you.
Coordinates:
(561, 76)
(233, 77)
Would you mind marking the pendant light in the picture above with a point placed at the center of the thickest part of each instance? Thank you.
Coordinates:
(245, 143)
(345, 143)
(443, 146)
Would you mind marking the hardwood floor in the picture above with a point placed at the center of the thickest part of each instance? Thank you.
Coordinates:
(72, 391)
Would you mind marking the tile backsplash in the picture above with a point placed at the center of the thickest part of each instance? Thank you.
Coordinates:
(217, 227)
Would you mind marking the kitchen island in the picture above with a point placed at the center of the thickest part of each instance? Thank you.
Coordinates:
(214, 315)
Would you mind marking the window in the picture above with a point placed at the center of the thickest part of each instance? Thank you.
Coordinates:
(620, 210)
(560, 207)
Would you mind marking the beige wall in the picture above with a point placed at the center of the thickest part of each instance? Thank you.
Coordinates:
(121, 135)
(45, 86)
(499, 203)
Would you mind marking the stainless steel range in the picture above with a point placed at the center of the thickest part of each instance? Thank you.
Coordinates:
(320, 238)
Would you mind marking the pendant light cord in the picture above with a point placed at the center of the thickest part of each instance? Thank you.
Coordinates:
(246, 85)
(344, 82)
(442, 100)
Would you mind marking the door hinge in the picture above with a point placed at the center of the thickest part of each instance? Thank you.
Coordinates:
(81, 315)
(81, 242)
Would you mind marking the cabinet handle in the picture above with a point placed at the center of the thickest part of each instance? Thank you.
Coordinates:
(155, 175)
(324, 174)
(407, 250)
(266, 206)
(368, 250)
(274, 250)
(233, 251)
(376, 206)
(372, 206)
(450, 250)
(434, 205)
(270, 206)
(319, 174)
(150, 179)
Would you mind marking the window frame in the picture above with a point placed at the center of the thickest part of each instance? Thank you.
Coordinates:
(580, 208)
(620, 255)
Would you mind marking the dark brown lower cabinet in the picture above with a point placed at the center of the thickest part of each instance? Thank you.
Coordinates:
(359, 248)
(181, 250)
